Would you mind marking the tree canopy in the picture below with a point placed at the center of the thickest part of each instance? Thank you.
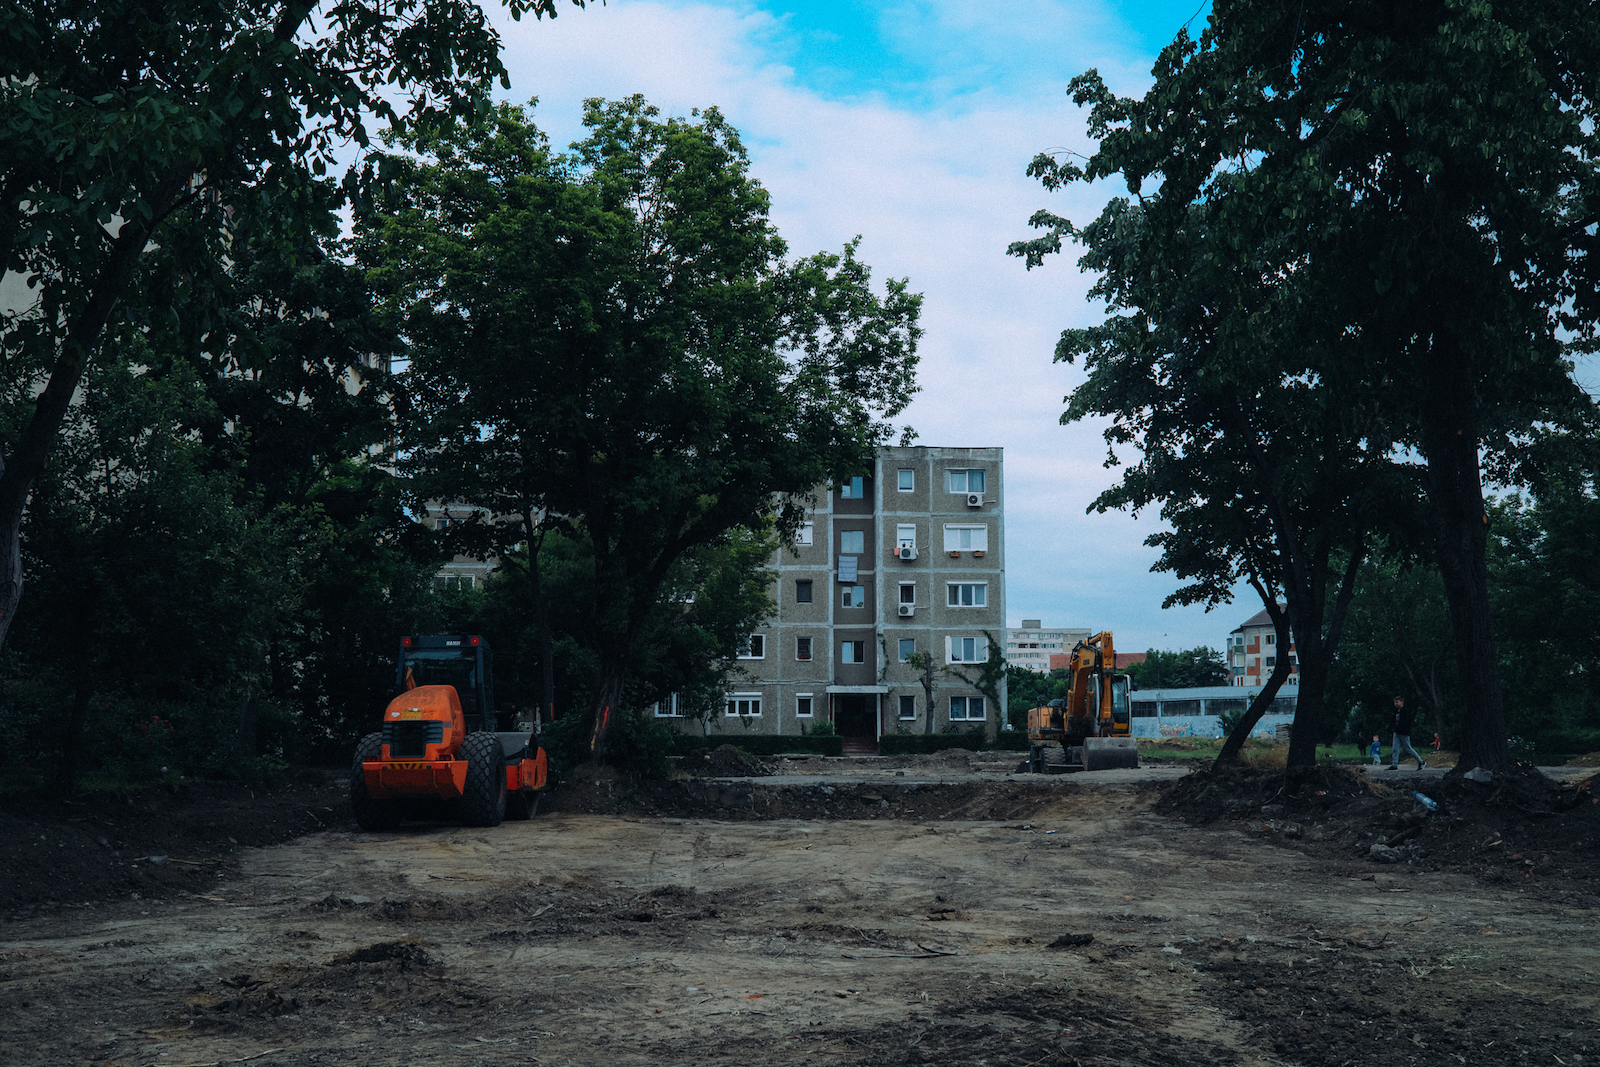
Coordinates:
(610, 342)
(1192, 667)
(141, 142)
(1412, 192)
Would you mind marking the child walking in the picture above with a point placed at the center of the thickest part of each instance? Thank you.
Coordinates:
(1375, 750)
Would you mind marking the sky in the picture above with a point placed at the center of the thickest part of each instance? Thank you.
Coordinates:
(911, 124)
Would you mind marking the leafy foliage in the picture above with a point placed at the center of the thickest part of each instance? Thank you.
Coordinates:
(1174, 670)
(1358, 231)
(610, 344)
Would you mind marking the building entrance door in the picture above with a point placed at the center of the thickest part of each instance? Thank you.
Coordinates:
(853, 715)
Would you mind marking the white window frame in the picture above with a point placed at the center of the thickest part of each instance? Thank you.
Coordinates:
(811, 588)
(859, 538)
(906, 479)
(852, 597)
(806, 534)
(845, 646)
(966, 709)
(904, 701)
(954, 594)
(853, 488)
(751, 706)
(809, 644)
(804, 706)
(901, 646)
(905, 535)
(958, 479)
(674, 709)
(754, 647)
(912, 599)
(956, 647)
(978, 541)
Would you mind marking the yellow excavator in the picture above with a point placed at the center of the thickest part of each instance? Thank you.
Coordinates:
(1092, 725)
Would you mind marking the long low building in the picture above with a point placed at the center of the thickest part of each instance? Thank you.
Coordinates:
(1197, 712)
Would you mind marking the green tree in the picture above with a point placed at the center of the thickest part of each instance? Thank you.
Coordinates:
(611, 343)
(1263, 468)
(1027, 689)
(140, 142)
(156, 591)
(1419, 182)
(1399, 644)
(1176, 670)
(1544, 568)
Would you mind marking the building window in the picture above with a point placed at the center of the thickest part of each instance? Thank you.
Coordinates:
(452, 581)
(852, 652)
(802, 648)
(1272, 661)
(852, 488)
(802, 705)
(908, 646)
(907, 480)
(853, 596)
(1271, 638)
(963, 649)
(744, 705)
(802, 590)
(908, 592)
(905, 536)
(964, 481)
(805, 533)
(908, 707)
(668, 708)
(967, 594)
(853, 541)
(754, 647)
(966, 538)
(967, 708)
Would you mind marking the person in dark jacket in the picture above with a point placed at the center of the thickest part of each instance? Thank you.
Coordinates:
(1404, 717)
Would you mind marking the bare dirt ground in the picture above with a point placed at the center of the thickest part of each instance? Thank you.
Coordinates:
(857, 913)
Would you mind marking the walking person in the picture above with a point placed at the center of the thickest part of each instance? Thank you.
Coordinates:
(1376, 752)
(1403, 718)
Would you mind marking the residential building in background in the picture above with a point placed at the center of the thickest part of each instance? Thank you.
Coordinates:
(905, 557)
(1253, 652)
(1030, 646)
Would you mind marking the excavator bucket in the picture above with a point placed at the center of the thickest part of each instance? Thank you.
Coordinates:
(1106, 753)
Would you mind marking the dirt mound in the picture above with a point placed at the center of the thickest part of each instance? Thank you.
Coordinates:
(1208, 794)
(1520, 828)
(153, 843)
(726, 761)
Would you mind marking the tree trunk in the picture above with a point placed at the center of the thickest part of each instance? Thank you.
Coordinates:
(541, 622)
(1455, 490)
(81, 337)
(605, 712)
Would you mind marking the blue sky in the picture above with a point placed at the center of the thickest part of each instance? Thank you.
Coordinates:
(911, 124)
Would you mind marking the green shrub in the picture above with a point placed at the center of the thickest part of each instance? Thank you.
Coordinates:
(1010, 741)
(637, 744)
(821, 728)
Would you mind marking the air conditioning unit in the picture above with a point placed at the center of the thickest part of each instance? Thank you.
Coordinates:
(906, 552)
(974, 500)
(907, 610)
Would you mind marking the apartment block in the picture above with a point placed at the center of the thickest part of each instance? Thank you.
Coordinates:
(1253, 652)
(905, 557)
(1031, 645)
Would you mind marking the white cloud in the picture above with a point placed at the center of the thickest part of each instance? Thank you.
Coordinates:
(936, 193)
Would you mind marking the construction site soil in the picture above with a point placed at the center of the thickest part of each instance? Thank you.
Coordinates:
(922, 910)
